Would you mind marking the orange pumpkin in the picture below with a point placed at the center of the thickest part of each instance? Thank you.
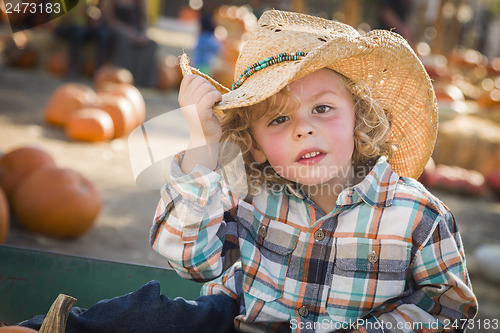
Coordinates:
(109, 73)
(494, 66)
(224, 74)
(19, 51)
(132, 94)
(66, 99)
(58, 63)
(489, 98)
(448, 93)
(231, 51)
(17, 329)
(4, 217)
(90, 125)
(187, 14)
(89, 67)
(3, 16)
(57, 202)
(18, 163)
(121, 111)
(169, 74)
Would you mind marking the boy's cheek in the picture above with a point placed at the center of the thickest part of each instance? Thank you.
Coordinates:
(270, 150)
(258, 155)
(278, 162)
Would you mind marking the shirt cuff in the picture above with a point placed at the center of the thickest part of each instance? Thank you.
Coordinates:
(198, 185)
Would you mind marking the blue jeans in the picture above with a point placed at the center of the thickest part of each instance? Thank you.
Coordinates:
(146, 310)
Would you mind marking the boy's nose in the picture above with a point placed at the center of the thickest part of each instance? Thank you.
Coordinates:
(301, 134)
(303, 129)
(303, 126)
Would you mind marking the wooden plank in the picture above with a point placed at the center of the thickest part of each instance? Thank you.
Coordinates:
(31, 280)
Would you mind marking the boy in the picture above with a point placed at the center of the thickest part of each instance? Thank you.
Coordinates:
(334, 233)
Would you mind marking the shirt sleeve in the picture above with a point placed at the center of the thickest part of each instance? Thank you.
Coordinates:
(440, 296)
(191, 226)
(230, 283)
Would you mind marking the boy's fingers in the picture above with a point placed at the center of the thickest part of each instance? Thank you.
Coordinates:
(193, 89)
(184, 82)
(194, 95)
(187, 79)
(217, 95)
(189, 84)
(204, 92)
(194, 81)
(206, 89)
(209, 99)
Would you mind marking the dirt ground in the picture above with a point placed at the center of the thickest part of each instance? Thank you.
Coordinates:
(121, 231)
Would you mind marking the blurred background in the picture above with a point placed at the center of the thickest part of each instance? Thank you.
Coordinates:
(75, 83)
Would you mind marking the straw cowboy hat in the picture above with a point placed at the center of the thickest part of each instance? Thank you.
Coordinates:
(286, 46)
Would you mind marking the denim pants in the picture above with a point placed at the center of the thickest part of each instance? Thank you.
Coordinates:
(146, 310)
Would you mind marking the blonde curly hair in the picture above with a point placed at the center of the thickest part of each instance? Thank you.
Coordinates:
(371, 133)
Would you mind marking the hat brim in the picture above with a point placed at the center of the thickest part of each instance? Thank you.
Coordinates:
(381, 60)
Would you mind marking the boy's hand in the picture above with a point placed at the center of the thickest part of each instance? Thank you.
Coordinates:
(202, 122)
(197, 98)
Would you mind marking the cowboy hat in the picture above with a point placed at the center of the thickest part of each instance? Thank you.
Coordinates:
(286, 46)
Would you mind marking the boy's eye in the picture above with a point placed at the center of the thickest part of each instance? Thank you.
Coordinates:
(321, 109)
(279, 120)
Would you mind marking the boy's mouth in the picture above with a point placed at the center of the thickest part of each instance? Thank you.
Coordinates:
(310, 156)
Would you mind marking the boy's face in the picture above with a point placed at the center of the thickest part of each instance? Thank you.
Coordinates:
(314, 144)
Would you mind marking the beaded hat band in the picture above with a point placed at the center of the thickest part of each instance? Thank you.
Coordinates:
(380, 60)
(257, 66)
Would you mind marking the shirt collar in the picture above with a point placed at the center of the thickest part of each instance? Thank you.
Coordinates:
(376, 189)
(295, 192)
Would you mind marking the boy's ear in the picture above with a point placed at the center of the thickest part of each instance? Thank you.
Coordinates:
(258, 154)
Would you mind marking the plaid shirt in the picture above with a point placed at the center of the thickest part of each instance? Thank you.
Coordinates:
(387, 258)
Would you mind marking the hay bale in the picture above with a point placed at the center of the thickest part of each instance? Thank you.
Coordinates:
(469, 142)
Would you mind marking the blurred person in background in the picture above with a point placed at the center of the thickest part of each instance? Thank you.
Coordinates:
(133, 49)
(394, 15)
(207, 47)
(81, 25)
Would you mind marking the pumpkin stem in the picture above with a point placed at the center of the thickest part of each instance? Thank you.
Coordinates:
(55, 321)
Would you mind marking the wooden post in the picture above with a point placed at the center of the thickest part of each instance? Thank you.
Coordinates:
(351, 12)
(153, 9)
(437, 44)
(299, 6)
(451, 40)
(421, 24)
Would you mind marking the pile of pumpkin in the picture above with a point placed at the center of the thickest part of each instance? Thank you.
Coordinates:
(110, 111)
(460, 180)
(467, 150)
(46, 199)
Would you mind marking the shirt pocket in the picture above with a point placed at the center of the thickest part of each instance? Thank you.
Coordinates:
(366, 273)
(265, 254)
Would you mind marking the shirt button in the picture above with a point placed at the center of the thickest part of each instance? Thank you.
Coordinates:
(319, 235)
(262, 232)
(303, 311)
(373, 257)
